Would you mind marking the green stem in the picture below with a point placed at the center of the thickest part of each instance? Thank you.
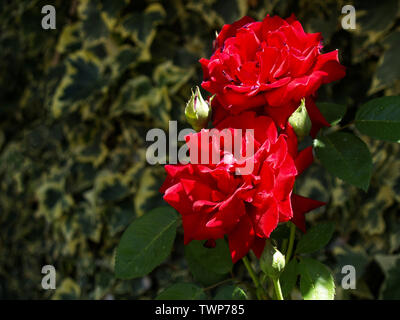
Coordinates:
(278, 290)
(251, 271)
(291, 242)
(262, 295)
(284, 246)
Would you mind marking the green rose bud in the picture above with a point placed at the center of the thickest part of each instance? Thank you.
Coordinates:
(198, 111)
(272, 262)
(300, 121)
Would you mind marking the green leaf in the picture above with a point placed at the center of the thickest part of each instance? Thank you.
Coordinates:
(204, 276)
(93, 23)
(390, 265)
(375, 18)
(168, 75)
(388, 68)
(208, 265)
(110, 186)
(332, 112)
(316, 281)
(348, 255)
(146, 243)
(148, 196)
(281, 232)
(141, 26)
(230, 13)
(68, 290)
(230, 292)
(135, 97)
(182, 291)
(82, 79)
(316, 238)
(85, 80)
(288, 278)
(345, 156)
(380, 118)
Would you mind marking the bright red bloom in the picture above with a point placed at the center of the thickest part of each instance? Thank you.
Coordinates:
(271, 64)
(214, 201)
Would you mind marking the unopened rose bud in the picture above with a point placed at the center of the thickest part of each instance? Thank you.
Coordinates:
(198, 111)
(272, 262)
(300, 121)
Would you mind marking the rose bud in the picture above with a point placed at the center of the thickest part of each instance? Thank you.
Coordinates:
(272, 262)
(300, 121)
(198, 110)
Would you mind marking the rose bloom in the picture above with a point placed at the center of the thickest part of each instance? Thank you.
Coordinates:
(214, 202)
(271, 64)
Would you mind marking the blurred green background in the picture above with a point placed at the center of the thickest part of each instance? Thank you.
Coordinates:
(75, 106)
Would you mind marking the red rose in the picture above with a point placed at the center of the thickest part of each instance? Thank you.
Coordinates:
(271, 64)
(214, 201)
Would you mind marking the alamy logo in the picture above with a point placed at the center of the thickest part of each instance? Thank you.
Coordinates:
(49, 280)
(349, 20)
(49, 20)
(349, 280)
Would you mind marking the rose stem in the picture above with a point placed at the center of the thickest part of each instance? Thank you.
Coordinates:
(253, 276)
(291, 242)
(278, 290)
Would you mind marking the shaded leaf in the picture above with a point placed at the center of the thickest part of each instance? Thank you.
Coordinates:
(388, 68)
(231, 292)
(380, 118)
(390, 265)
(354, 256)
(208, 265)
(148, 196)
(182, 291)
(316, 238)
(332, 112)
(146, 243)
(67, 290)
(288, 278)
(345, 156)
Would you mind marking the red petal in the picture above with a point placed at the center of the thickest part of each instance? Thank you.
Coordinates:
(329, 63)
(177, 198)
(304, 159)
(317, 119)
(271, 24)
(258, 246)
(229, 30)
(241, 239)
(302, 205)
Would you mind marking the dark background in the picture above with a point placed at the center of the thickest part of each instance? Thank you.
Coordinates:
(75, 106)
